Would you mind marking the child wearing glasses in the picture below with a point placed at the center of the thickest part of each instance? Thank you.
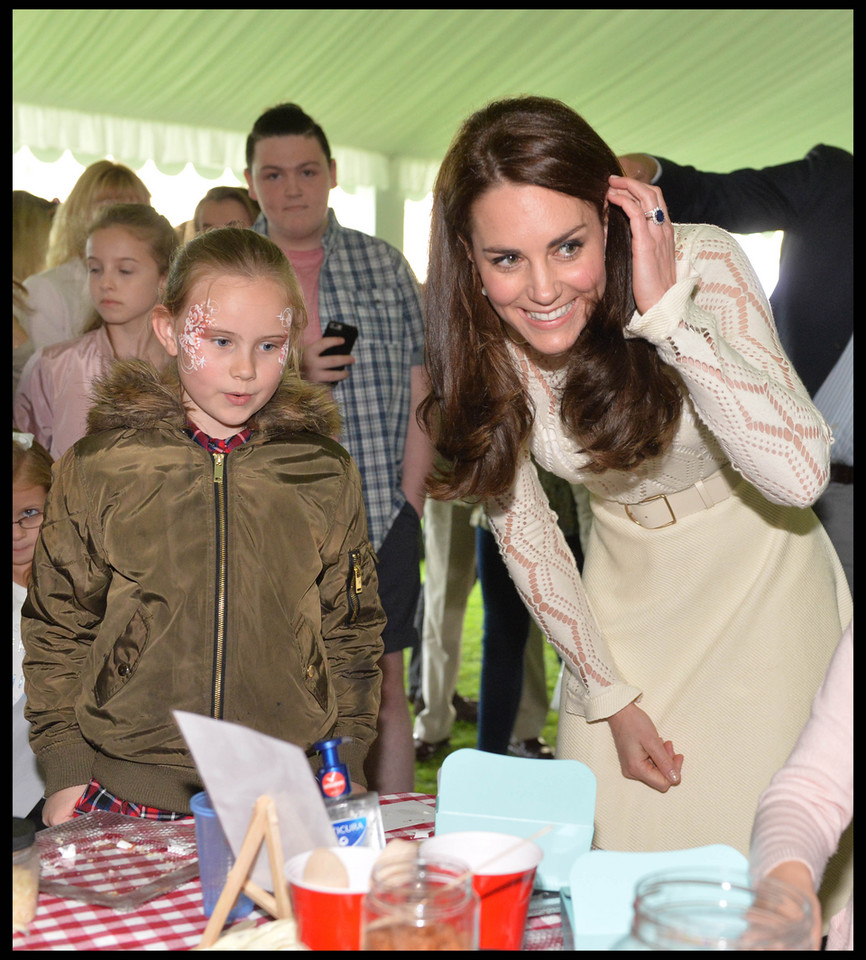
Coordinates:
(31, 480)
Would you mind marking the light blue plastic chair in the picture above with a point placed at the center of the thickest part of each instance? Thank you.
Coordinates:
(504, 794)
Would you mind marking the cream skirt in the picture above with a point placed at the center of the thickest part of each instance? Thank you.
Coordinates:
(727, 621)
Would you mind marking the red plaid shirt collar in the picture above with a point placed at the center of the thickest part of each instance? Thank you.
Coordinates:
(218, 446)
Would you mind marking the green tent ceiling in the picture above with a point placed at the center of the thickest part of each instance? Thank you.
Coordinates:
(717, 88)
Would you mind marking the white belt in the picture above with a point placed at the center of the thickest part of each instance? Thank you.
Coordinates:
(663, 510)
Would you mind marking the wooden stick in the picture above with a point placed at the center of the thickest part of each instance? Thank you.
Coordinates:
(261, 898)
(479, 868)
(239, 873)
(511, 849)
(275, 855)
(496, 856)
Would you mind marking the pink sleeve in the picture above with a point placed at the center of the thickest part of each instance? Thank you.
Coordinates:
(810, 800)
(54, 397)
(33, 409)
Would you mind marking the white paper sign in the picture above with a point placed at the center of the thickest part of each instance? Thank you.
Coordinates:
(237, 766)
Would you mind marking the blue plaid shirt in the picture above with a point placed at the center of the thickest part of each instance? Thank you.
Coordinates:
(368, 283)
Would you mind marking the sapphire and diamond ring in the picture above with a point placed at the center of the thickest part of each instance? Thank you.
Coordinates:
(656, 215)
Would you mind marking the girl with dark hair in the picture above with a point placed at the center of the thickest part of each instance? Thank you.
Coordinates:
(567, 318)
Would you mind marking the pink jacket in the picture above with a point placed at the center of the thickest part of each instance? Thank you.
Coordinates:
(53, 395)
(810, 801)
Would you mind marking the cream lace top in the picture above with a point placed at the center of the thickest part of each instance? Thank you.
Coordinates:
(745, 405)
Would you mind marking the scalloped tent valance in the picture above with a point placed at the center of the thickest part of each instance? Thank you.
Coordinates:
(89, 137)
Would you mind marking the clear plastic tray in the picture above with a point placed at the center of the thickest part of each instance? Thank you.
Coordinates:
(115, 860)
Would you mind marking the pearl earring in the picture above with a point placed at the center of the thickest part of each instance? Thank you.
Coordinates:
(483, 291)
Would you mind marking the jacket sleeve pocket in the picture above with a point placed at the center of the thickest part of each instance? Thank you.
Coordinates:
(354, 587)
(120, 663)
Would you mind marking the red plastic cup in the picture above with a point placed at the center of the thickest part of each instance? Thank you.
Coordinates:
(329, 918)
(503, 885)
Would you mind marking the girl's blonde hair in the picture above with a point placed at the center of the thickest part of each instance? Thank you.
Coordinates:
(144, 223)
(31, 225)
(32, 217)
(31, 462)
(102, 182)
(237, 252)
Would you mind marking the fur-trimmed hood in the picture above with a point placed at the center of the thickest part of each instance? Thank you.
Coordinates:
(135, 394)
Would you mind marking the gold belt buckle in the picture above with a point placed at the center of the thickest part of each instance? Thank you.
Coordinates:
(661, 526)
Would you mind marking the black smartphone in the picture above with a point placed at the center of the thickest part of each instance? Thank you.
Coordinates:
(336, 328)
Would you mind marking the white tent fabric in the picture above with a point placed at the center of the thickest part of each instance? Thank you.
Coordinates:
(716, 88)
(90, 137)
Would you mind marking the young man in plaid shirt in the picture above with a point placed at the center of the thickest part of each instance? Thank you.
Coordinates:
(360, 280)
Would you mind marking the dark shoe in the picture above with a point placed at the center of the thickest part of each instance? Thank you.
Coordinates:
(467, 710)
(426, 751)
(535, 749)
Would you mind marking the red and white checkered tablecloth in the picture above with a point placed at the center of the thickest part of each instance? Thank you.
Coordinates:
(176, 921)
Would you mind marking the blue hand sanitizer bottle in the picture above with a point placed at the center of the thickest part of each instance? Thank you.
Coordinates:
(356, 817)
(333, 776)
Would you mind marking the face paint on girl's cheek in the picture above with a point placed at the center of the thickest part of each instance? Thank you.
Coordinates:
(199, 318)
(285, 319)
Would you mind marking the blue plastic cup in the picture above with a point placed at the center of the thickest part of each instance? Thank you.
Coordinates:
(215, 859)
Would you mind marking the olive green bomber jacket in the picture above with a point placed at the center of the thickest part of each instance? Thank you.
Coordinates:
(239, 586)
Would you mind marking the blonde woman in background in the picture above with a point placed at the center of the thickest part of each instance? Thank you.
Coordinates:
(32, 217)
(58, 296)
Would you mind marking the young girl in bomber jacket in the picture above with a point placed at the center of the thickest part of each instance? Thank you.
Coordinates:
(204, 549)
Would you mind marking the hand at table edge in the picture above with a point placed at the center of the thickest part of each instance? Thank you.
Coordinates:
(60, 806)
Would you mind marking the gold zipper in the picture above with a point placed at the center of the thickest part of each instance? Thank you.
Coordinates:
(355, 586)
(219, 633)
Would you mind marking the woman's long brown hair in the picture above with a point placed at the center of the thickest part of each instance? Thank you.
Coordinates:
(619, 402)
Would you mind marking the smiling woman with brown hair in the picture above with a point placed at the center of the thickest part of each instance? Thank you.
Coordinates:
(567, 318)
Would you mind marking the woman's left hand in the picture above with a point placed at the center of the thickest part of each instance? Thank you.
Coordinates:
(654, 268)
(643, 754)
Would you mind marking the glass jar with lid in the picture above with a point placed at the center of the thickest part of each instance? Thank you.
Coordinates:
(420, 904)
(25, 873)
(717, 910)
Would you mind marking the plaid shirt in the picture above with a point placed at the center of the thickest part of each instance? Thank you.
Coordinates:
(96, 797)
(368, 283)
(217, 446)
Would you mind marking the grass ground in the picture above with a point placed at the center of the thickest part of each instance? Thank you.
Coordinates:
(464, 734)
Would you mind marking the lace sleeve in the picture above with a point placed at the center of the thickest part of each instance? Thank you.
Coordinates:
(715, 327)
(544, 571)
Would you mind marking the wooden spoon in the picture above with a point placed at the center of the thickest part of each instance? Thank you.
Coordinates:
(325, 868)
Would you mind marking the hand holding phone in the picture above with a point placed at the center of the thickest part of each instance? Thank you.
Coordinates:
(336, 328)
